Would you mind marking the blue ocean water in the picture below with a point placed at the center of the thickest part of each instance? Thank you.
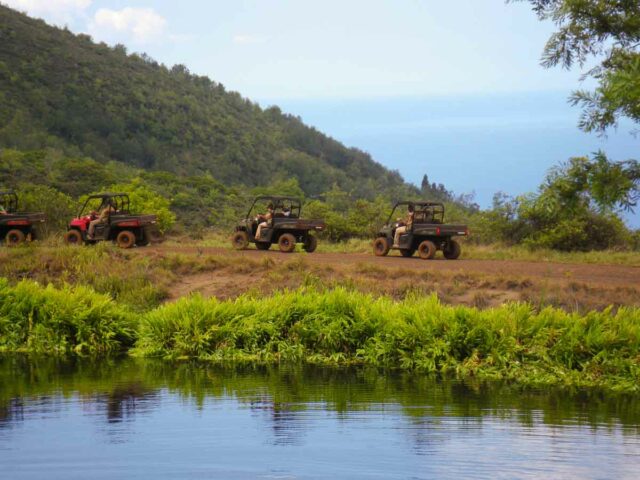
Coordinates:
(482, 144)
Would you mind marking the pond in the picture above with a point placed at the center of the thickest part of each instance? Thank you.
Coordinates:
(130, 418)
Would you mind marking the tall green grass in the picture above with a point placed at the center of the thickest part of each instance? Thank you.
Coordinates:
(341, 327)
(512, 342)
(41, 319)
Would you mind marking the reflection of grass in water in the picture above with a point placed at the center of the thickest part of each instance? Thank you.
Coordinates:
(337, 389)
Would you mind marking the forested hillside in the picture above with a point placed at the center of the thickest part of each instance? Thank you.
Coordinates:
(63, 91)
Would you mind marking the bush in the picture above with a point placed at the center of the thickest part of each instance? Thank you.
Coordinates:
(145, 200)
(57, 321)
(511, 342)
(58, 207)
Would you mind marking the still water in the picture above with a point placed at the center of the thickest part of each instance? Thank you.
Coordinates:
(146, 419)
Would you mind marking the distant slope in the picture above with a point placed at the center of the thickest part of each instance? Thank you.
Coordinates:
(63, 91)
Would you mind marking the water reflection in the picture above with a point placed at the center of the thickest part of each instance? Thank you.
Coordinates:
(301, 421)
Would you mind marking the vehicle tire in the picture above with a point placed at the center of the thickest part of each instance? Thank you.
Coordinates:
(73, 237)
(380, 247)
(240, 240)
(287, 243)
(310, 244)
(126, 239)
(263, 245)
(15, 237)
(452, 250)
(407, 252)
(427, 250)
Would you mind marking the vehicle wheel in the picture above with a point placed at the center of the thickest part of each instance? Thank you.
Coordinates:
(126, 239)
(240, 240)
(15, 237)
(73, 237)
(310, 244)
(452, 250)
(287, 243)
(427, 250)
(380, 247)
(407, 252)
(263, 245)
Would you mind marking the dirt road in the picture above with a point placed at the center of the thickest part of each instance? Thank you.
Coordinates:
(592, 275)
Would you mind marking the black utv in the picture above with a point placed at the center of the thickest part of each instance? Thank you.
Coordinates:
(281, 224)
(16, 227)
(426, 234)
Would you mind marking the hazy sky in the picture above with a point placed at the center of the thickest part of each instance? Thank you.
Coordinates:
(329, 48)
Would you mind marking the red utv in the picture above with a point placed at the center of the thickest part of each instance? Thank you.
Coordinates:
(120, 226)
(17, 227)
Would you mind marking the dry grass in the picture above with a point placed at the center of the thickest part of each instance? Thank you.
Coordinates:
(144, 281)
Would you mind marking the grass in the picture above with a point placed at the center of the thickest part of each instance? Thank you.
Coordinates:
(501, 252)
(142, 279)
(514, 342)
(138, 283)
(48, 320)
(470, 251)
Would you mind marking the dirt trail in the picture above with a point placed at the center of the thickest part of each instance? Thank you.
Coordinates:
(593, 275)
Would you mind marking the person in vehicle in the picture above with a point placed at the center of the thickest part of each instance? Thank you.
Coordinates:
(3, 211)
(264, 220)
(106, 209)
(405, 225)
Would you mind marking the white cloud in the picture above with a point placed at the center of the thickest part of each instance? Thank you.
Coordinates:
(56, 11)
(142, 25)
(242, 39)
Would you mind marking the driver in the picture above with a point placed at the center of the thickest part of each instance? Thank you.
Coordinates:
(264, 220)
(405, 225)
(106, 209)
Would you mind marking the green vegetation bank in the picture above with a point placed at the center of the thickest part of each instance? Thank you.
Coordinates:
(512, 342)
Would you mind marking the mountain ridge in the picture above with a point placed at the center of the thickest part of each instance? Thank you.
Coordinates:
(62, 90)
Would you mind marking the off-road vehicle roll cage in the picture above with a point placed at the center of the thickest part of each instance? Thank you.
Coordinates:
(9, 200)
(280, 203)
(423, 212)
(119, 201)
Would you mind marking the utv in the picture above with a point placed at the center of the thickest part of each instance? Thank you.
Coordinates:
(427, 234)
(285, 228)
(16, 227)
(120, 225)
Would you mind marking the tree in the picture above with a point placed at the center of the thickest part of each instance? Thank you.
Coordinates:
(609, 32)
(425, 186)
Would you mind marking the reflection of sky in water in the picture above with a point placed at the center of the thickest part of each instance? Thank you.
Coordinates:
(162, 434)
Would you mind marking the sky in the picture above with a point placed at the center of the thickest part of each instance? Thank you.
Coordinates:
(336, 49)
(450, 88)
